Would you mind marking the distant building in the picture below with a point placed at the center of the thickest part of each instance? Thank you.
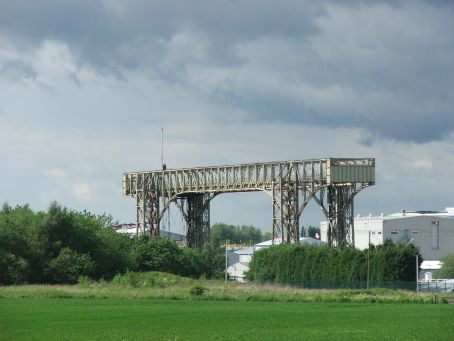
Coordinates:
(303, 240)
(131, 229)
(431, 231)
(428, 268)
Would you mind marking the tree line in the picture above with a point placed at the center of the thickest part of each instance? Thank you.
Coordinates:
(244, 234)
(248, 234)
(288, 263)
(59, 245)
(310, 231)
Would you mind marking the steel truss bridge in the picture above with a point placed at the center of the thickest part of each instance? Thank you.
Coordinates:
(332, 183)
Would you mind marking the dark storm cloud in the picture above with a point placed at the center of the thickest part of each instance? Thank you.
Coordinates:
(102, 31)
(382, 66)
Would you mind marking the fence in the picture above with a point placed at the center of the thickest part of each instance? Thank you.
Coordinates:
(396, 285)
(437, 286)
(426, 286)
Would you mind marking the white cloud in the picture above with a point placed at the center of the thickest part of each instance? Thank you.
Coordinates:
(82, 191)
(56, 173)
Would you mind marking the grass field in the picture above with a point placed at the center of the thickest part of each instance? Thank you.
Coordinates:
(159, 306)
(134, 319)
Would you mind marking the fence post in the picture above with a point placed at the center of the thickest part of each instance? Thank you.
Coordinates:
(368, 262)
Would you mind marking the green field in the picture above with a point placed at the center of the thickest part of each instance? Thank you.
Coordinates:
(135, 319)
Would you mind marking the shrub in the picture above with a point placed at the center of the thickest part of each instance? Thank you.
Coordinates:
(84, 281)
(155, 255)
(197, 290)
(131, 279)
(68, 266)
(447, 269)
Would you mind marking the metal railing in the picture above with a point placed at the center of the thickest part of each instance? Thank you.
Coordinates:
(440, 285)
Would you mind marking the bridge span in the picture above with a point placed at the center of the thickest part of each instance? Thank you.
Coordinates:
(331, 182)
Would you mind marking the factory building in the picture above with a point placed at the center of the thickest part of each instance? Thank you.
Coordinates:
(431, 231)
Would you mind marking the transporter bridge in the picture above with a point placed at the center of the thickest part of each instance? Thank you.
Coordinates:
(332, 183)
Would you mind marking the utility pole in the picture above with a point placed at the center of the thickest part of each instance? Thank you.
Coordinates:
(368, 261)
(162, 147)
(226, 260)
(417, 273)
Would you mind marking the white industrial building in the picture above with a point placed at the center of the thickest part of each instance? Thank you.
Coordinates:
(303, 240)
(131, 229)
(431, 231)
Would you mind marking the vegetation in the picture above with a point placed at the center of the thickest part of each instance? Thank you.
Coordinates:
(139, 301)
(289, 263)
(197, 290)
(310, 231)
(244, 234)
(60, 245)
(159, 285)
(447, 269)
(198, 319)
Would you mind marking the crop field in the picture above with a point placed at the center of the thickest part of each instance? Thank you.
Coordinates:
(166, 319)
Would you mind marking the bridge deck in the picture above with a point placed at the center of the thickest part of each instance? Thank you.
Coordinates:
(250, 177)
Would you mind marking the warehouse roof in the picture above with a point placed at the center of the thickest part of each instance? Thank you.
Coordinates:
(431, 265)
(303, 240)
(447, 213)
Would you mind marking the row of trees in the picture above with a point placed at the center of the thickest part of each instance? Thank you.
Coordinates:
(310, 231)
(60, 245)
(294, 262)
(245, 234)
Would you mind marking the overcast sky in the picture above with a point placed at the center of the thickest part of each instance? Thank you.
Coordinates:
(86, 85)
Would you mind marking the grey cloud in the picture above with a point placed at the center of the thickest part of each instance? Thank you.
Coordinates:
(103, 31)
(394, 80)
(16, 70)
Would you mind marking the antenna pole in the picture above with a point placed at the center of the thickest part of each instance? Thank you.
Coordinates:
(162, 147)
(162, 180)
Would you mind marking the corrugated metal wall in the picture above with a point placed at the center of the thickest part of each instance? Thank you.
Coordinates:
(348, 174)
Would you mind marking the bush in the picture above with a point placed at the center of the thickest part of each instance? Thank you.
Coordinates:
(155, 255)
(197, 290)
(69, 266)
(447, 269)
(84, 281)
(129, 279)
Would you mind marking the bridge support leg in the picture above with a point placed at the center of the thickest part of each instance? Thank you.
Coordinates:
(285, 213)
(147, 213)
(153, 218)
(196, 212)
(340, 215)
